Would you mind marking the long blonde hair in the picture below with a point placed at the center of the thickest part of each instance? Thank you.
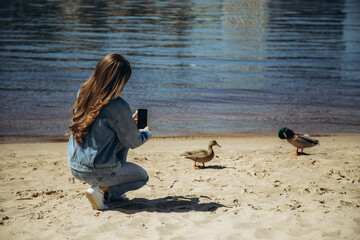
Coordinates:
(106, 83)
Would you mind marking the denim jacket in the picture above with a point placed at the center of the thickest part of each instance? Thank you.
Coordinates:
(110, 136)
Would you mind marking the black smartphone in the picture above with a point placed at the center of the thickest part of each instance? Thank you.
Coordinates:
(142, 118)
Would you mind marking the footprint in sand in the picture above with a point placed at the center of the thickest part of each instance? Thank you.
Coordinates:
(323, 190)
(294, 204)
(159, 175)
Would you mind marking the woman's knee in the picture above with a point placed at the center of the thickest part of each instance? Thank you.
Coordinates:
(147, 179)
(143, 176)
(138, 172)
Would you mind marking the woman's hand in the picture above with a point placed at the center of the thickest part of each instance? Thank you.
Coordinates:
(135, 117)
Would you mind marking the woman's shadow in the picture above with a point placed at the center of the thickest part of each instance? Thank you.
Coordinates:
(166, 204)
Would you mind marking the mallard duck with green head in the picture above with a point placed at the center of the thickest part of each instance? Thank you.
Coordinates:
(297, 140)
(201, 156)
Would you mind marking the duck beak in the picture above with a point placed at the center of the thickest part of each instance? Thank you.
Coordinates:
(218, 145)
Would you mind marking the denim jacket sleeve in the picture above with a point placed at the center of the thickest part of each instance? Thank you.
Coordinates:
(127, 131)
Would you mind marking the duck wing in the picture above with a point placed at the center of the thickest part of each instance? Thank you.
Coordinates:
(303, 141)
(198, 154)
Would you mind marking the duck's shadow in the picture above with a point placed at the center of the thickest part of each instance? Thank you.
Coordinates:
(302, 154)
(166, 204)
(212, 167)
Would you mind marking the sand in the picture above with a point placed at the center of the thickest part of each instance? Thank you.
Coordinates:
(253, 189)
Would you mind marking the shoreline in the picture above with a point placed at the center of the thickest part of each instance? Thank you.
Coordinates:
(60, 139)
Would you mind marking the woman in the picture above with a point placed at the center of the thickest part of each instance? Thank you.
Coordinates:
(102, 131)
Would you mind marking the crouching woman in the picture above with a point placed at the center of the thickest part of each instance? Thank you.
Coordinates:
(101, 133)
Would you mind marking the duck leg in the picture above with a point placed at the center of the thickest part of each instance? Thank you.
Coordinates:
(302, 151)
(297, 152)
(203, 165)
(195, 167)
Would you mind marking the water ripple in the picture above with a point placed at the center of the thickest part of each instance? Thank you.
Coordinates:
(201, 67)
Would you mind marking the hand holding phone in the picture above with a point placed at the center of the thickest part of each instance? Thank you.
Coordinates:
(142, 118)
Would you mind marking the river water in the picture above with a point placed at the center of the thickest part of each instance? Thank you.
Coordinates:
(201, 67)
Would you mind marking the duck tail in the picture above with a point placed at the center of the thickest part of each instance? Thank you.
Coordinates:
(186, 154)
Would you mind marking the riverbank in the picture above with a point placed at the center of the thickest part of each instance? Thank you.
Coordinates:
(253, 189)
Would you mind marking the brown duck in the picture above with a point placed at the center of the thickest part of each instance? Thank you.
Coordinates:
(202, 156)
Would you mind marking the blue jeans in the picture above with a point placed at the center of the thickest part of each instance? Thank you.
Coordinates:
(129, 177)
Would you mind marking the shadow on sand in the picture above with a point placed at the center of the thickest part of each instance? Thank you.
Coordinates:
(302, 154)
(213, 167)
(166, 204)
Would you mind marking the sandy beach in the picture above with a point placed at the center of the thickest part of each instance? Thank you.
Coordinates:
(253, 189)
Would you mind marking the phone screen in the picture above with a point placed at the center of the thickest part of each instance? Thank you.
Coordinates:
(142, 118)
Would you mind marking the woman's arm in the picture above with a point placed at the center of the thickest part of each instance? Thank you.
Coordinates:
(127, 131)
